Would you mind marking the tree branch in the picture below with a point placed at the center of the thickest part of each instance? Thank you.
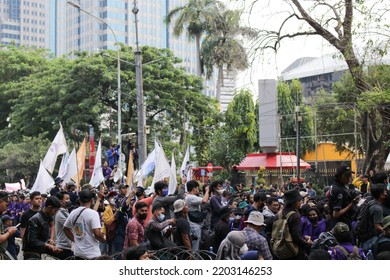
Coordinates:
(316, 26)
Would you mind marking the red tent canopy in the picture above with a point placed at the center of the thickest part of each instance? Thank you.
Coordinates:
(271, 161)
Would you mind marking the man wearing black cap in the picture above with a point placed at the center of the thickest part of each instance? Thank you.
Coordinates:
(341, 203)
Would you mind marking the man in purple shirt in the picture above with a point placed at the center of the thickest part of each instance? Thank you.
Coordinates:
(342, 251)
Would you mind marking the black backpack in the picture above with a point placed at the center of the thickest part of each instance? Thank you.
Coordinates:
(362, 229)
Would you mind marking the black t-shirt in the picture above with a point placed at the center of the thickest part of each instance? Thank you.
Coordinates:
(339, 199)
(182, 226)
(26, 216)
(221, 231)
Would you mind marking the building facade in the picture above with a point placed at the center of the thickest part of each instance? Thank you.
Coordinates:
(25, 22)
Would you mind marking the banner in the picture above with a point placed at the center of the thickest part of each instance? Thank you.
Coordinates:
(97, 174)
(130, 170)
(92, 153)
(172, 179)
(57, 147)
(71, 167)
(81, 153)
(44, 181)
(186, 164)
(163, 169)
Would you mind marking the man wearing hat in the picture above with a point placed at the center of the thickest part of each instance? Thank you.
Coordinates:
(182, 235)
(293, 202)
(341, 203)
(4, 235)
(342, 233)
(254, 240)
(57, 186)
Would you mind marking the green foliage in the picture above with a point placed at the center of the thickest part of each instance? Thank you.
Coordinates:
(82, 92)
(260, 180)
(22, 159)
(287, 96)
(237, 137)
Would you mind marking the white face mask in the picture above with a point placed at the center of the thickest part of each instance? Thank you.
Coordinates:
(112, 201)
(244, 249)
(220, 191)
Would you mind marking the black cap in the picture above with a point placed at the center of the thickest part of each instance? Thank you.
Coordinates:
(292, 196)
(343, 169)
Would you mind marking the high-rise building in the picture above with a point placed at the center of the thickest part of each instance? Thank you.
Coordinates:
(62, 28)
(80, 31)
(25, 22)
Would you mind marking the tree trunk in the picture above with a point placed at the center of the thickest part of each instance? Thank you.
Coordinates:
(198, 62)
(219, 83)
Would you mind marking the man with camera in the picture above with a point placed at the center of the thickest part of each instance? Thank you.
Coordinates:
(342, 201)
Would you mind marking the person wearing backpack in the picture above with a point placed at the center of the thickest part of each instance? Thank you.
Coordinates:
(293, 202)
(374, 216)
(382, 245)
(345, 250)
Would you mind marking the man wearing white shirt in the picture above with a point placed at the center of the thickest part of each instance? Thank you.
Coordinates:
(84, 229)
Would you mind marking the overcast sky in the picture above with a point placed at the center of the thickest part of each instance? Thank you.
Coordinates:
(268, 65)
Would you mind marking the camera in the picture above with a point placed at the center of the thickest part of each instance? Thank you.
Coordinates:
(354, 193)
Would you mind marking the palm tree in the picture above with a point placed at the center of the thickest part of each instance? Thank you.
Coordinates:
(194, 17)
(223, 46)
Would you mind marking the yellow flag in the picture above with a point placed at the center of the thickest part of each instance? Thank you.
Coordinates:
(81, 153)
(130, 171)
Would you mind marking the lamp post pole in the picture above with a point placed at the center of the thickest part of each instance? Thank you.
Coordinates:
(141, 125)
(77, 6)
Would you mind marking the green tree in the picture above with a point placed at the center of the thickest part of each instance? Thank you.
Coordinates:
(21, 159)
(237, 137)
(287, 96)
(223, 47)
(337, 23)
(193, 17)
(17, 62)
(83, 92)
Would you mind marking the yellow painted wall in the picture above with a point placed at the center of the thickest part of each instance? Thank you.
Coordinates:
(328, 152)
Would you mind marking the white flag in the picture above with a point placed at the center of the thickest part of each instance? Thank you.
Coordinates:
(71, 167)
(57, 147)
(172, 179)
(97, 175)
(149, 164)
(64, 164)
(44, 181)
(163, 169)
(185, 165)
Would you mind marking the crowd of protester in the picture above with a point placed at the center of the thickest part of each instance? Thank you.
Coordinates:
(219, 220)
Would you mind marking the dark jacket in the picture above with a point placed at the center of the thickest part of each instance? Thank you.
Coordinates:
(294, 225)
(37, 233)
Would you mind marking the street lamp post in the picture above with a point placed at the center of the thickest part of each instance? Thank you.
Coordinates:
(77, 6)
(141, 125)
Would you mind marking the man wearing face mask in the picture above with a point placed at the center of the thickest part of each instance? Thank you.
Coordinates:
(216, 202)
(109, 220)
(194, 202)
(135, 232)
(155, 227)
(162, 199)
(62, 241)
